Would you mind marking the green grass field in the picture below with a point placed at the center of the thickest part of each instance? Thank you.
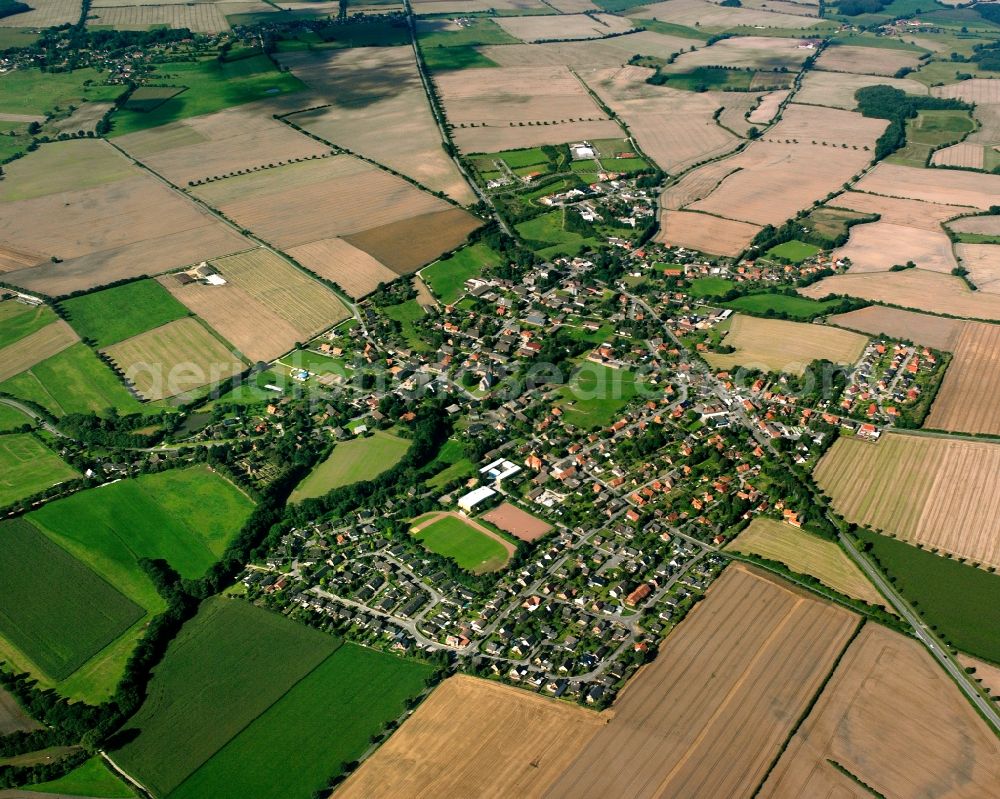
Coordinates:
(478, 31)
(452, 462)
(441, 58)
(595, 394)
(702, 79)
(794, 251)
(74, 381)
(446, 277)
(115, 314)
(406, 313)
(53, 608)
(351, 462)
(469, 548)
(796, 307)
(960, 600)
(211, 86)
(228, 665)
(31, 91)
(185, 516)
(546, 235)
(327, 719)
(18, 321)
(928, 131)
(11, 418)
(93, 780)
(27, 466)
(705, 287)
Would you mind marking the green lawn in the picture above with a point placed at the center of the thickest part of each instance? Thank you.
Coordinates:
(74, 381)
(18, 321)
(185, 516)
(595, 395)
(115, 314)
(211, 86)
(447, 276)
(54, 609)
(351, 462)
(93, 780)
(795, 251)
(327, 719)
(406, 313)
(795, 307)
(27, 466)
(228, 665)
(546, 235)
(470, 549)
(31, 91)
(963, 602)
(710, 287)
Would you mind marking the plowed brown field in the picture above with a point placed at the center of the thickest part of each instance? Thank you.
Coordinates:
(934, 491)
(708, 716)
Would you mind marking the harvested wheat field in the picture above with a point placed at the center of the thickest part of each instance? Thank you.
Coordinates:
(928, 490)
(675, 128)
(866, 60)
(708, 716)
(911, 213)
(174, 359)
(894, 720)
(966, 401)
(937, 332)
(775, 345)
(44, 14)
(365, 89)
(946, 186)
(198, 17)
(975, 90)
(536, 28)
(983, 225)
(587, 55)
(967, 155)
(218, 144)
(712, 15)
(696, 184)
(767, 107)
(476, 738)
(92, 216)
(735, 107)
(758, 52)
(837, 89)
(35, 348)
(986, 674)
(878, 246)
(807, 554)
(11, 259)
(517, 522)
(833, 127)
(84, 118)
(487, 106)
(426, 237)
(912, 288)
(354, 270)
(705, 233)
(302, 203)
(421, 7)
(983, 263)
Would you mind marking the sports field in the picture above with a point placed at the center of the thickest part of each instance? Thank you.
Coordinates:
(325, 720)
(80, 615)
(807, 554)
(115, 314)
(185, 516)
(774, 345)
(74, 381)
(27, 466)
(470, 545)
(227, 666)
(351, 462)
(447, 276)
(595, 394)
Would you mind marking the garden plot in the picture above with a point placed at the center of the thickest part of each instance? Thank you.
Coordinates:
(537, 28)
(377, 88)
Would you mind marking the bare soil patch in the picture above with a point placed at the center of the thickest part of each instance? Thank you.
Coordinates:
(705, 233)
(13, 718)
(35, 348)
(708, 716)
(354, 270)
(895, 721)
(476, 738)
(517, 522)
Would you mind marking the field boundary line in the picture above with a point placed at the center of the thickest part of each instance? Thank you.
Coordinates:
(126, 776)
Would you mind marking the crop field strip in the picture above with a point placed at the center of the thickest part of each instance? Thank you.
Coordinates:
(933, 491)
(891, 718)
(354, 270)
(726, 687)
(476, 737)
(35, 347)
(115, 314)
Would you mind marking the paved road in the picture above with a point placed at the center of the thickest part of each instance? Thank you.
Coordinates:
(33, 415)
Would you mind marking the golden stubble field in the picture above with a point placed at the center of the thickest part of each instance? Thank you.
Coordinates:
(930, 490)
(893, 719)
(837, 89)
(478, 738)
(866, 60)
(705, 232)
(712, 15)
(367, 89)
(587, 55)
(354, 270)
(709, 715)
(945, 186)
(35, 348)
(774, 345)
(538, 27)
